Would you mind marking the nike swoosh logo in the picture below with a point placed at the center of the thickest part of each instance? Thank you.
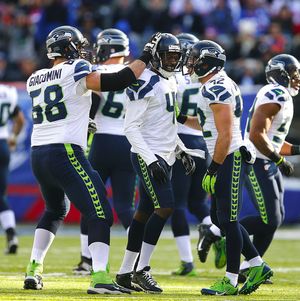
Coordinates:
(253, 277)
(199, 244)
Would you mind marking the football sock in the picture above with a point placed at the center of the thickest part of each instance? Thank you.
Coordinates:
(215, 230)
(207, 220)
(256, 261)
(128, 262)
(7, 219)
(153, 229)
(248, 250)
(135, 236)
(244, 265)
(184, 248)
(41, 243)
(233, 278)
(234, 243)
(145, 255)
(179, 223)
(100, 253)
(84, 246)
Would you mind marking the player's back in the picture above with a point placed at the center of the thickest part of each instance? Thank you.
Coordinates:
(274, 93)
(60, 103)
(110, 115)
(220, 89)
(8, 102)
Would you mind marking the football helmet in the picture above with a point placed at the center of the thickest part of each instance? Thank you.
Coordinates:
(111, 43)
(167, 58)
(204, 58)
(186, 40)
(67, 42)
(283, 69)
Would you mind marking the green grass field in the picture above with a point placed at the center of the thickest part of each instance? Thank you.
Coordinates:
(60, 284)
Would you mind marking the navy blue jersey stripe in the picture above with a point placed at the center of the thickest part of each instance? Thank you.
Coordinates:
(153, 80)
(82, 69)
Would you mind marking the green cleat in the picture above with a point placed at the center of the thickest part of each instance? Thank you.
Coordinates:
(257, 276)
(33, 277)
(222, 287)
(185, 269)
(101, 283)
(219, 248)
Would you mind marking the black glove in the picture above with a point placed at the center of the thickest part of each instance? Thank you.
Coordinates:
(158, 172)
(188, 163)
(285, 167)
(92, 127)
(150, 48)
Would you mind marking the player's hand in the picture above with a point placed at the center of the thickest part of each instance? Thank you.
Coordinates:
(151, 45)
(92, 128)
(209, 181)
(286, 167)
(188, 163)
(158, 172)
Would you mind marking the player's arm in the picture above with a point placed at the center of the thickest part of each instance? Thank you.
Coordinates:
(120, 80)
(223, 121)
(189, 121)
(260, 124)
(133, 120)
(289, 149)
(18, 123)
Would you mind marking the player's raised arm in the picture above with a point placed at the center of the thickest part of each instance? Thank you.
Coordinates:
(122, 79)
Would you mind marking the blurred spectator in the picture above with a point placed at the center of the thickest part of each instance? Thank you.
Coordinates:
(189, 20)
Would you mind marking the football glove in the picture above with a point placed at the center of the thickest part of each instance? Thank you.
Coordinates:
(92, 127)
(188, 163)
(210, 177)
(285, 167)
(158, 172)
(209, 181)
(151, 45)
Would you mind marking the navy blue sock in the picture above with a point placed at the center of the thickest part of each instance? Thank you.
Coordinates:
(99, 231)
(153, 229)
(249, 251)
(135, 236)
(234, 244)
(179, 223)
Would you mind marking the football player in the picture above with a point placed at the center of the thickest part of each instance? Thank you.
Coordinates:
(268, 124)
(110, 150)
(220, 108)
(9, 109)
(187, 192)
(61, 98)
(151, 129)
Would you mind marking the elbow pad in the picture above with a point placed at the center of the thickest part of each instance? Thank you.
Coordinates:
(118, 80)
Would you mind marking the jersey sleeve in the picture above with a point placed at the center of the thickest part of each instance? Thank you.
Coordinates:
(216, 93)
(273, 95)
(142, 88)
(82, 68)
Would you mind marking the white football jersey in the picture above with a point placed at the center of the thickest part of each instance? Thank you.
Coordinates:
(187, 98)
(110, 115)
(60, 103)
(8, 103)
(220, 89)
(274, 93)
(150, 121)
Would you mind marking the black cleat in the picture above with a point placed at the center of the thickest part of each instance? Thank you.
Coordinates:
(84, 267)
(125, 280)
(145, 281)
(206, 239)
(12, 241)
